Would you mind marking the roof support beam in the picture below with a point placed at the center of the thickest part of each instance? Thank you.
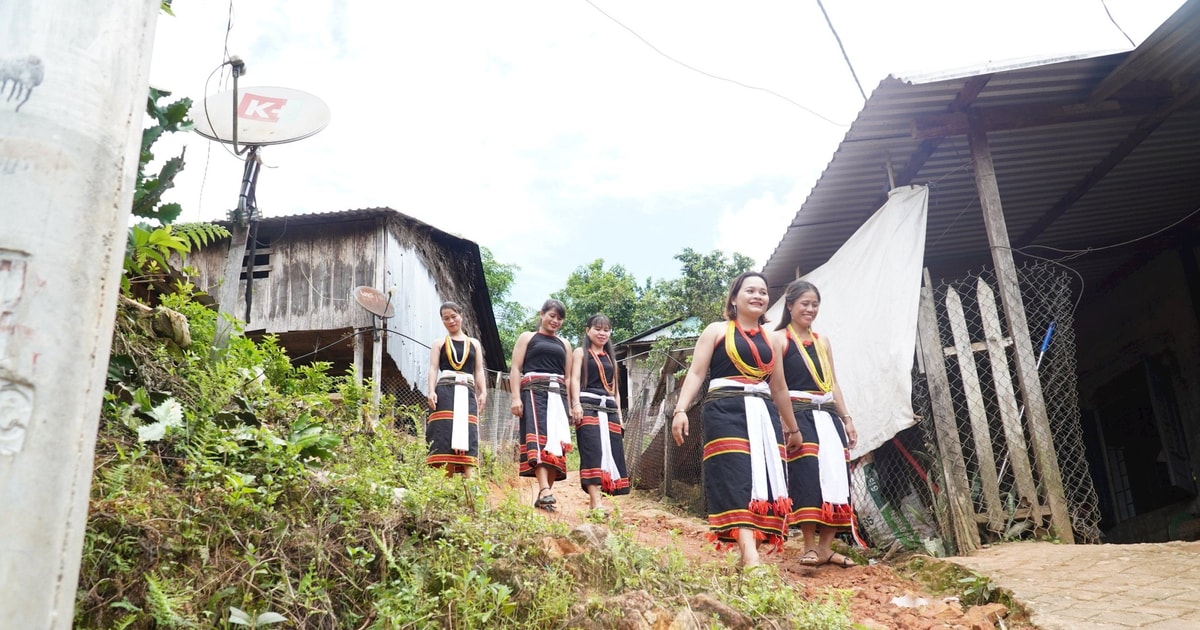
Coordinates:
(1024, 117)
(1141, 131)
(1040, 437)
(965, 97)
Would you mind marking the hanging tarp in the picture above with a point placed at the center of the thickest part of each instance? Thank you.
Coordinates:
(870, 291)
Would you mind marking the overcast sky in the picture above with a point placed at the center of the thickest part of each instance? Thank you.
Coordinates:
(556, 132)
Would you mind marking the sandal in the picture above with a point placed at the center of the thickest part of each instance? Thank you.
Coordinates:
(839, 560)
(811, 559)
(545, 500)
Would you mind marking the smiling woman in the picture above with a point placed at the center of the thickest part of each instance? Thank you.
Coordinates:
(743, 432)
(540, 363)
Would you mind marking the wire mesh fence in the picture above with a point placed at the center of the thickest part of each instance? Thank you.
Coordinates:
(1012, 483)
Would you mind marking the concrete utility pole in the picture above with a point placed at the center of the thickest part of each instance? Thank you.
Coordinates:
(73, 88)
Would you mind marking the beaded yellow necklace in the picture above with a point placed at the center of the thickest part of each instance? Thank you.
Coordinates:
(457, 362)
(759, 370)
(608, 387)
(824, 379)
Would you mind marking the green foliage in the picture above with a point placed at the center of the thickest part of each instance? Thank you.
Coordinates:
(198, 235)
(243, 492)
(702, 285)
(149, 248)
(164, 118)
(977, 589)
(511, 317)
(593, 289)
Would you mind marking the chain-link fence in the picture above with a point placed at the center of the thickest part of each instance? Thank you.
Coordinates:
(1012, 490)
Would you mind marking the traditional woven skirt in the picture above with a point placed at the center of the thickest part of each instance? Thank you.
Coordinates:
(439, 426)
(544, 425)
(809, 505)
(601, 448)
(730, 477)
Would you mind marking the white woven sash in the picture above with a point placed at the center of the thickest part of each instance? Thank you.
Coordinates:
(607, 463)
(558, 429)
(831, 455)
(460, 429)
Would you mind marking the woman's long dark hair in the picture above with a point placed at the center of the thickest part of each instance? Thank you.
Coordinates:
(586, 344)
(794, 290)
(730, 311)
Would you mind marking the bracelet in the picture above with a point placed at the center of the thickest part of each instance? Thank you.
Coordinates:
(787, 433)
(677, 412)
(847, 417)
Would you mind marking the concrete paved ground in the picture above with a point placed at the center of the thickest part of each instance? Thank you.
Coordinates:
(1106, 587)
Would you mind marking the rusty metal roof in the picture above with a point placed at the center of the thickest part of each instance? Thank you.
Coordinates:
(1049, 175)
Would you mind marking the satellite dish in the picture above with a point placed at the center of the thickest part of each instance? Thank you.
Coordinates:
(266, 115)
(375, 301)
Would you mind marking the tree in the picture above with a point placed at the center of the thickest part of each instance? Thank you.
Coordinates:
(702, 285)
(614, 292)
(511, 316)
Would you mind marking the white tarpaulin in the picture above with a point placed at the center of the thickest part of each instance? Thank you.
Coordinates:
(870, 292)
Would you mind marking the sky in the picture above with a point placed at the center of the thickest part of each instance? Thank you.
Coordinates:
(556, 132)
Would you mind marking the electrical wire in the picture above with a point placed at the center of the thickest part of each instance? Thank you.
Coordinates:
(843, 49)
(1114, 21)
(1075, 253)
(713, 76)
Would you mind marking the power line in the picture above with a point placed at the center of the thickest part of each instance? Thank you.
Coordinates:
(843, 49)
(713, 76)
(1114, 21)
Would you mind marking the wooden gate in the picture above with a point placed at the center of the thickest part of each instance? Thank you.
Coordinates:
(985, 472)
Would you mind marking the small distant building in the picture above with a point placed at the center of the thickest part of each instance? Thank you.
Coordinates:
(304, 273)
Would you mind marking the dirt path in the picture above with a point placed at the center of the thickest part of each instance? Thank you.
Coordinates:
(873, 587)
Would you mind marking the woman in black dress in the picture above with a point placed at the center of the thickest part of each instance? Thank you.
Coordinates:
(597, 413)
(540, 362)
(457, 391)
(744, 434)
(819, 471)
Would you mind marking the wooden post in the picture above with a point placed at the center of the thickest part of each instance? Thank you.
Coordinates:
(75, 88)
(1014, 311)
(1006, 398)
(954, 468)
(227, 294)
(980, 433)
(378, 339)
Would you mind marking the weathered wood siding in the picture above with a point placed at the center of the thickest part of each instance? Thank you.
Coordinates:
(313, 271)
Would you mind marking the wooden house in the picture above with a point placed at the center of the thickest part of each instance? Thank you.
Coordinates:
(307, 267)
(1089, 161)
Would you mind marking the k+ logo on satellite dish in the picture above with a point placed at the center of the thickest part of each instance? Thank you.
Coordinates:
(264, 108)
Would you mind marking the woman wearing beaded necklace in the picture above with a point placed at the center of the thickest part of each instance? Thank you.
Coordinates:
(596, 410)
(540, 362)
(457, 391)
(819, 471)
(743, 432)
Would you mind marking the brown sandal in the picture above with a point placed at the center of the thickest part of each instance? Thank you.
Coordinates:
(839, 560)
(810, 558)
(545, 500)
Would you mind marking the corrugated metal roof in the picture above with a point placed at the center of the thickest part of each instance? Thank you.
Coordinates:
(1036, 167)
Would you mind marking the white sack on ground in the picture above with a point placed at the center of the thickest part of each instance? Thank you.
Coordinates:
(870, 291)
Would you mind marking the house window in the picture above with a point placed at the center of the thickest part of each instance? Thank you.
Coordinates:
(262, 259)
